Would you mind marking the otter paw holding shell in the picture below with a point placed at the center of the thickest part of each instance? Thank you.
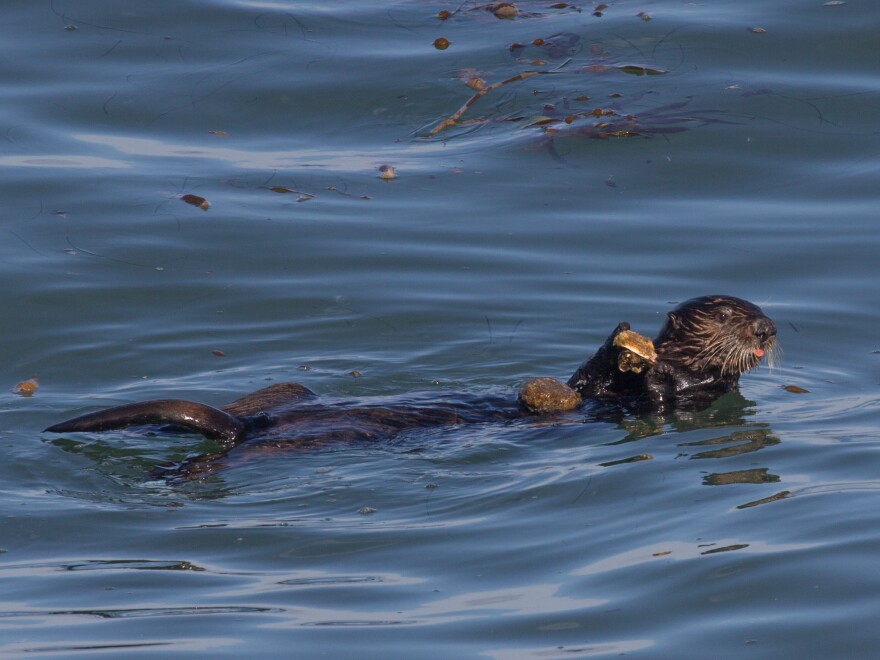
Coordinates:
(542, 395)
(636, 351)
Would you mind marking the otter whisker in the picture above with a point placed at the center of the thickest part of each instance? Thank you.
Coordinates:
(714, 350)
(734, 356)
(723, 350)
(774, 354)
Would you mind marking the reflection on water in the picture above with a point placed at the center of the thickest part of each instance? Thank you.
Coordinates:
(750, 440)
(680, 551)
(291, 158)
(605, 649)
(753, 476)
(732, 409)
(630, 459)
(523, 601)
(766, 500)
(64, 161)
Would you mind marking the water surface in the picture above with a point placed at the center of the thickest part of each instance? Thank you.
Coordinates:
(506, 247)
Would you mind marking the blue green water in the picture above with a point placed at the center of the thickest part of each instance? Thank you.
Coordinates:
(506, 247)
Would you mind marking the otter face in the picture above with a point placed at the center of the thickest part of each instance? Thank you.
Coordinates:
(717, 334)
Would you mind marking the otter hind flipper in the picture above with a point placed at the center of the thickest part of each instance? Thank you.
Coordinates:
(211, 422)
(269, 398)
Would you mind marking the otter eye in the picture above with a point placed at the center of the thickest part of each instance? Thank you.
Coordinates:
(724, 313)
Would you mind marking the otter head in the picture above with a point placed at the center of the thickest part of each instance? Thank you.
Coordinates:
(720, 336)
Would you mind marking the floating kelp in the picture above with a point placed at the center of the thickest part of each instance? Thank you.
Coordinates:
(616, 121)
(561, 86)
(636, 70)
(505, 10)
(284, 190)
(567, 114)
(578, 118)
(554, 47)
(531, 9)
(451, 121)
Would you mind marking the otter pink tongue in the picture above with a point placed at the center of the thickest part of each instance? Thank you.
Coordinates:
(759, 353)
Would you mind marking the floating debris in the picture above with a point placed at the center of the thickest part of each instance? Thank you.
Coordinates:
(632, 459)
(636, 70)
(27, 387)
(195, 200)
(781, 495)
(505, 10)
(727, 548)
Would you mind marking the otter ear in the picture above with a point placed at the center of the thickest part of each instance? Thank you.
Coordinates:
(673, 320)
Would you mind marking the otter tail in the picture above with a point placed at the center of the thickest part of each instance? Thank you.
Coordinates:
(212, 423)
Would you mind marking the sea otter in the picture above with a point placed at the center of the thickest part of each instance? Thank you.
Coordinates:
(702, 349)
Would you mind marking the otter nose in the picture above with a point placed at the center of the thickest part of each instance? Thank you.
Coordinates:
(764, 329)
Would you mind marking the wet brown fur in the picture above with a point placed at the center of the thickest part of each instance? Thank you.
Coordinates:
(716, 335)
